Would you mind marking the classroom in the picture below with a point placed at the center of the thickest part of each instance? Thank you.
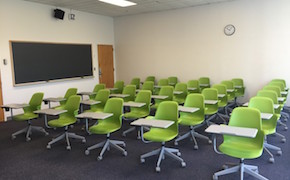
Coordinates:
(185, 39)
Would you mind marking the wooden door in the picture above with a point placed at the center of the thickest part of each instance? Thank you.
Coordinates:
(1, 103)
(106, 65)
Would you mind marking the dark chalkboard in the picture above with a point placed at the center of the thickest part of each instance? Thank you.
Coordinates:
(38, 62)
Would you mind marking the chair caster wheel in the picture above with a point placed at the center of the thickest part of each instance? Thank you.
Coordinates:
(13, 137)
(100, 158)
(125, 153)
(214, 177)
(225, 167)
(157, 169)
(209, 141)
(142, 160)
(178, 153)
(283, 140)
(195, 147)
(279, 153)
(286, 128)
(48, 147)
(271, 160)
(87, 152)
(84, 141)
(46, 133)
(175, 143)
(124, 145)
(123, 134)
(138, 137)
(28, 139)
(183, 164)
(68, 148)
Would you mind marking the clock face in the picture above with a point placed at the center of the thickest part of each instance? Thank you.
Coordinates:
(229, 30)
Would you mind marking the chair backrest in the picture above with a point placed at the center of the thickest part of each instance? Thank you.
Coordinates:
(150, 78)
(273, 88)
(119, 85)
(204, 80)
(193, 84)
(248, 118)
(102, 96)
(114, 106)
(172, 80)
(168, 110)
(70, 92)
(72, 106)
(148, 85)
(131, 90)
(222, 89)
(279, 84)
(265, 105)
(34, 103)
(197, 101)
(210, 94)
(272, 95)
(163, 82)
(240, 91)
(180, 87)
(279, 80)
(230, 85)
(165, 91)
(96, 89)
(144, 96)
(136, 81)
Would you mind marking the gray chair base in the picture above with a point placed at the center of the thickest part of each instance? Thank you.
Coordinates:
(28, 130)
(272, 147)
(192, 133)
(106, 146)
(249, 169)
(66, 136)
(162, 152)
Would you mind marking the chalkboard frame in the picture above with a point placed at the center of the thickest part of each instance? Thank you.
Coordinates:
(90, 73)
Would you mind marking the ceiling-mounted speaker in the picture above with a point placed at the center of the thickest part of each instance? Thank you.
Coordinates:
(58, 13)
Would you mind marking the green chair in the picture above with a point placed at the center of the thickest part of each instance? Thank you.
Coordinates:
(210, 108)
(193, 86)
(28, 115)
(131, 91)
(281, 80)
(70, 92)
(164, 91)
(167, 110)
(108, 126)
(265, 105)
(222, 101)
(273, 95)
(119, 85)
(102, 96)
(280, 85)
(204, 82)
(180, 98)
(239, 88)
(231, 94)
(242, 147)
(172, 81)
(144, 96)
(148, 85)
(136, 82)
(161, 82)
(150, 78)
(97, 88)
(65, 120)
(193, 120)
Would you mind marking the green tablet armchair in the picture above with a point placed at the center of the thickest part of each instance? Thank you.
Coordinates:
(167, 110)
(204, 82)
(28, 115)
(97, 88)
(242, 147)
(164, 91)
(131, 91)
(180, 98)
(119, 85)
(102, 96)
(108, 126)
(136, 82)
(172, 81)
(70, 92)
(65, 120)
(148, 85)
(160, 84)
(210, 108)
(193, 86)
(222, 102)
(193, 120)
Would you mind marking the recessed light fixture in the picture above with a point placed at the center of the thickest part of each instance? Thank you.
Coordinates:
(122, 3)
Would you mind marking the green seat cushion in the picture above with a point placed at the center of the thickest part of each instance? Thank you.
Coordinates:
(241, 148)
(188, 120)
(104, 128)
(210, 111)
(61, 122)
(25, 117)
(135, 114)
(160, 135)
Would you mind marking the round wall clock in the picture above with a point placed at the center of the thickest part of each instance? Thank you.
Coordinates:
(229, 29)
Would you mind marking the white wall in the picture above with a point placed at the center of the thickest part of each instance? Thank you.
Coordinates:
(26, 21)
(190, 43)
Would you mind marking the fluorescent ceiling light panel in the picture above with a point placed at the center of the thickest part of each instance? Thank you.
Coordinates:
(122, 3)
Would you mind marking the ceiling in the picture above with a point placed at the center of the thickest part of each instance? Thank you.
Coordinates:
(143, 6)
